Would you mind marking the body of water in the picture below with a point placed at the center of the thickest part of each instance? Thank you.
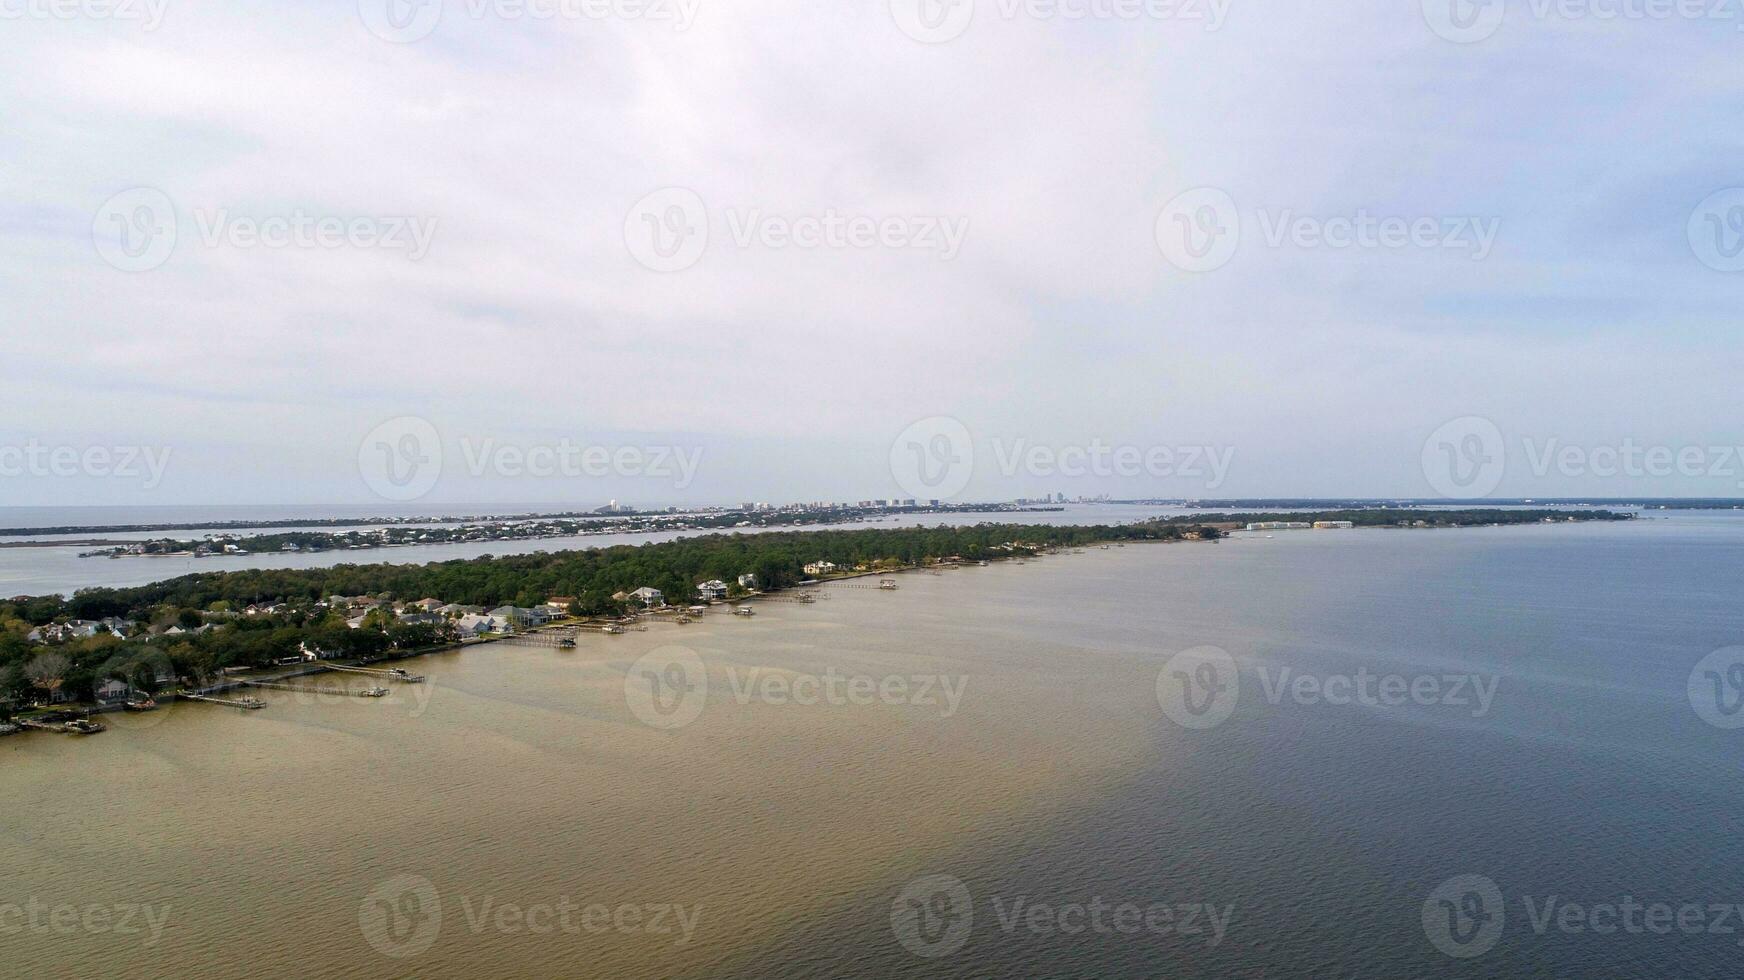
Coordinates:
(999, 778)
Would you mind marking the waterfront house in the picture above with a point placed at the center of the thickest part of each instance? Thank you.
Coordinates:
(563, 602)
(431, 618)
(649, 596)
(311, 652)
(550, 611)
(111, 691)
(712, 589)
(747, 581)
(515, 615)
(820, 568)
(474, 624)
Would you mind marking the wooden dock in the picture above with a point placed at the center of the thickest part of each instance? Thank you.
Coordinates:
(247, 704)
(393, 675)
(307, 689)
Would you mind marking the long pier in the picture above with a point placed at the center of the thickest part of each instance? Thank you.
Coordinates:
(306, 689)
(249, 704)
(394, 675)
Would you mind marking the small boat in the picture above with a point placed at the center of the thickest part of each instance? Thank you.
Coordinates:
(83, 726)
(6, 729)
(141, 704)
(888, 585)
(251, 702)
(612, 629)
(744, 611)
(567, 643)
(684, 620)
(374, 692)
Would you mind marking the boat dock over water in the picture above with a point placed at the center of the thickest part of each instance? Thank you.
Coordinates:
(78, 726)
(247, 703)
(393, 674)
(316, 689)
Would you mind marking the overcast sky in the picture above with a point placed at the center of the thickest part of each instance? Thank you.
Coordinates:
(765, 240)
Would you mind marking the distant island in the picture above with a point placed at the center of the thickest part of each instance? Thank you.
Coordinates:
(403, 533)
(133, 642)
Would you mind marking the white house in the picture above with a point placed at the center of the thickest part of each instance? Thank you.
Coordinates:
(820, 568)
(474, 624)
(649, 596)
(712, 589)
(747, 581)
(112, 690)
(516, 615)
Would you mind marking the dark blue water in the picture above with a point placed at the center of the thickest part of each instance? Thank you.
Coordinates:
(1324, 829)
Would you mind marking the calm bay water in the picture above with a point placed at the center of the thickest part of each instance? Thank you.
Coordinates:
(302, 838)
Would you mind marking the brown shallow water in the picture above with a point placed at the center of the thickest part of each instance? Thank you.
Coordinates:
(444, 831)
(520, 777)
